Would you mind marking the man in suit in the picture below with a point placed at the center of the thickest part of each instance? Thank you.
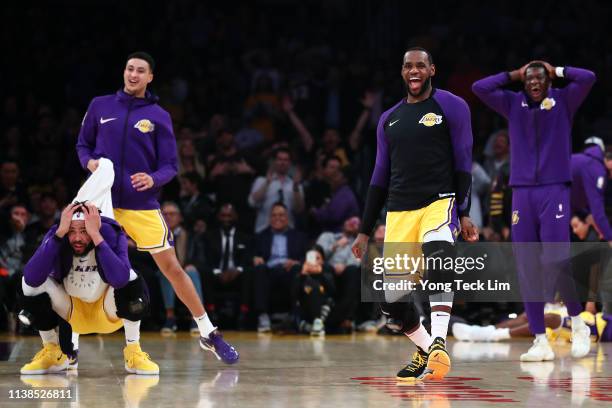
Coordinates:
(229, 255)
(279, 252)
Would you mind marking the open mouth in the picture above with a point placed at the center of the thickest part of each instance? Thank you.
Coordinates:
(535, 92)
(415, 82)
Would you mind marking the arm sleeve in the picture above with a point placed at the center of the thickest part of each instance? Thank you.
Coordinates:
(460, 127)
(167, 162)
(594, 187)
(43, 261)
(580, 83)
(490, 92)
(377, 192)
(86, 142)
(114, 261)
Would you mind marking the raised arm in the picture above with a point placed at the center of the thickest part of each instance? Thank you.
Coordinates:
(356, 135)
(580, 83)
(305, 136)
(490, 91)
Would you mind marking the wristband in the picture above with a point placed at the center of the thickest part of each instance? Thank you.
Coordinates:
(559, 72)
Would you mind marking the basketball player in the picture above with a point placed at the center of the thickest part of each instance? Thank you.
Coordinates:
(135, 133)
(81, 274)
(540, 124)
(422, 172)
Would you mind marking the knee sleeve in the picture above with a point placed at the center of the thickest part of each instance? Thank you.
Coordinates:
(401, 316)
(132, 300)
(440, 258)
(39, 310)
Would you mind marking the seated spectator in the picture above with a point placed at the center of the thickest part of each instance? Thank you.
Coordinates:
(190, 253)
(189, 161)
(12, 242)
(341, 206)
(312, 293)
(279, 251)
(195, 207)
(11, 191)
(228, 261)
(347, 276)
(277, 186)
(47, 215)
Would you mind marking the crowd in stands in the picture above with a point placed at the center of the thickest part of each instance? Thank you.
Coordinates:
(275, 111)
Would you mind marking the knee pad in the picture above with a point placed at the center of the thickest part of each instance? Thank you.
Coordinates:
(439, 268)
(39, 311)
(401, 316)
(132, 300)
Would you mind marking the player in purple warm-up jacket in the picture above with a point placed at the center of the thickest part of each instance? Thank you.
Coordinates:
(589, 177)
(540, 123)
(135, 133)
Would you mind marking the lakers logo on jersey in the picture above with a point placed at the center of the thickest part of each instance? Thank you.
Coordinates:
(547, 104)
(145, 126)
(515, 217)
(430, 119)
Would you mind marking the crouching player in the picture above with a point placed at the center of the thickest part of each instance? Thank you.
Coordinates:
(81, 274)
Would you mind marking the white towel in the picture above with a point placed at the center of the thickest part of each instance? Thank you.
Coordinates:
(97, 189)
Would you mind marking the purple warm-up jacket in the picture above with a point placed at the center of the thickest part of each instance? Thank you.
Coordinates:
(54, 257)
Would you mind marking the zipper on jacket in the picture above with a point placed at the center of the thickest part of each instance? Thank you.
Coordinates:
(122, 162)
(537, 142)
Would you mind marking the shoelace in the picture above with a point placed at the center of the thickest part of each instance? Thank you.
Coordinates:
(417, 360)
(42, 353)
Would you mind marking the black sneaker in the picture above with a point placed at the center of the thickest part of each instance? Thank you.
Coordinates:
(415, 368)
(438, 360)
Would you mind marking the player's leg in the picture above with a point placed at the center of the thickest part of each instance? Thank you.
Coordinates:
(131, 304)
(46, 305)
(168, 297)
(151, 234)
(554, 233)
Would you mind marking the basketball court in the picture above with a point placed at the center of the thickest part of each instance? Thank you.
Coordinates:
(281, 371)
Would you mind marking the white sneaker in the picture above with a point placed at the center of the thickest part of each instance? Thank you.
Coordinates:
(263, 324)
(581, 339)
(485, 333)
(318, 328)
(540, 351)
(462, 331)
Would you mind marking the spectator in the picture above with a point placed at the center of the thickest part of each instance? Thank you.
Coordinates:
(189, 160)
(312, 293)
(342, 204)
(347, 274)
(47, 215)
(228, 262)
(195, 207)
(480, 185)
(277, 186)
(11, 191)
(279, 251)
(190, 254)
(497, 152)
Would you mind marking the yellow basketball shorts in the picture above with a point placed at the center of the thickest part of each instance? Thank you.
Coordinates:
(406, 231)
(147, 228)
(88, 318)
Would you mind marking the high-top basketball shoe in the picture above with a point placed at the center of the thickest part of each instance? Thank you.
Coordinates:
(438, 361)
(414, 370)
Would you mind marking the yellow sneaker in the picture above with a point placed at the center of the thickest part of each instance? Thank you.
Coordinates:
(48, 360)
(138, 362)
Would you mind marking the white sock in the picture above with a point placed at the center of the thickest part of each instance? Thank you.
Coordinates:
(541, 337)
(577, 321)
(75, 341)
(204, 324)
(49, 336)
(132, 331)
(439, 320)
(501, 334)
(421, 338)
(133, 275)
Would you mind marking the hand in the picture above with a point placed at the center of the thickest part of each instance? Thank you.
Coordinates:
(469, 231)
(550, 70)
(270, 175)
(289, 264)
(518, 74)
(359, 245)
(92, 165)
(339, 268)
(142, 181)
(287, 104)
(297, 176)
(242, 167)
(66, 219)
(228, 276)
(341, 242)
(93, 222)
(368, 100)
(258, 260)
(220, 169)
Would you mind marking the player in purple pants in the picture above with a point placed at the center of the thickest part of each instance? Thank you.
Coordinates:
(540, 122)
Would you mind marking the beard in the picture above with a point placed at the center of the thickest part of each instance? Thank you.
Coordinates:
(426, 85)
(87, 249)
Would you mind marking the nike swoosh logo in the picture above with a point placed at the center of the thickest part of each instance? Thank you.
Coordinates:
(394, 122)
(559, 216)
(103, 121)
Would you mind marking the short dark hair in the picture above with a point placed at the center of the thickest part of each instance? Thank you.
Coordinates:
(278, 204)
(429, 57)
(281, 150)
(331, 157)
(536, 65)
(143, 56)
